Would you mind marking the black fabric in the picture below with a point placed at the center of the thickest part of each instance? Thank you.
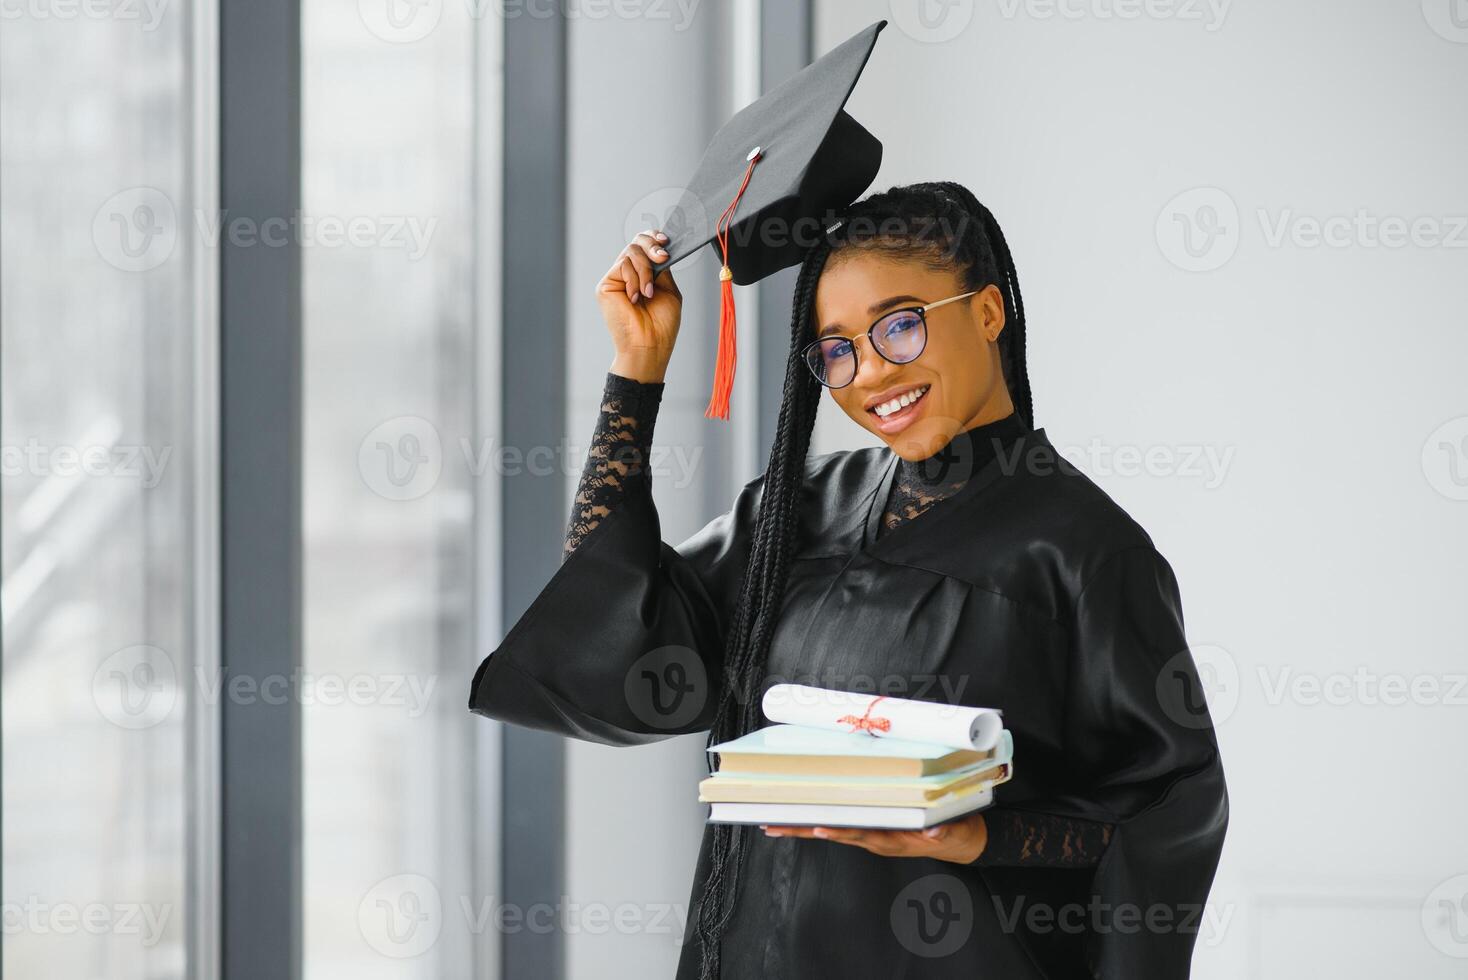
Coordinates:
(1024, 588)
(621, 444)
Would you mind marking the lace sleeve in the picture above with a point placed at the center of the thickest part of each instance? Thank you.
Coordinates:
(1042, 840)
(620, 445)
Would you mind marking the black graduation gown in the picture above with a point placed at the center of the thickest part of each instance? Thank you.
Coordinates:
(1029, 590)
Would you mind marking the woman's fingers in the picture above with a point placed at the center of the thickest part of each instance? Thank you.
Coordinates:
(889, 843)
(665, 282)
(632, 272)
(790, 831)
(847, 835)
(643, 253)
(652, 243)
(631, 282)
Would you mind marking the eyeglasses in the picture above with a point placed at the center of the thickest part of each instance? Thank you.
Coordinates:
(898, 336)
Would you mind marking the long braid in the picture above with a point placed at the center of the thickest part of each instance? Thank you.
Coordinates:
(977, 248)
(760, 596)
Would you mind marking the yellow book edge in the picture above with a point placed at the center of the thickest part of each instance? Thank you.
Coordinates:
(717, 790)
(847, 765)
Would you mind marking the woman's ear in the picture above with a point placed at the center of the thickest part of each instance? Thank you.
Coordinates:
(990, 309)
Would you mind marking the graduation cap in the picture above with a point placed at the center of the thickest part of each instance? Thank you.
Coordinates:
(771, 173)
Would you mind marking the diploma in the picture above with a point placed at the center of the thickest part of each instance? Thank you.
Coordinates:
(954, 725)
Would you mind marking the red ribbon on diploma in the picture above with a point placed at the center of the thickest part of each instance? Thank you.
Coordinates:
(866, 722)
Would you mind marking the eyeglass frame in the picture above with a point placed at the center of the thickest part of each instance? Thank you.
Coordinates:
(921, 311)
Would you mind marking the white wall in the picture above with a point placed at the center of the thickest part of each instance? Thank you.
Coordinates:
(1331, 535)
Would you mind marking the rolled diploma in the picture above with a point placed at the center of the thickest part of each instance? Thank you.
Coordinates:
(954, 725)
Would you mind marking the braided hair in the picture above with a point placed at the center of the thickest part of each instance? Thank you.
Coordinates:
(944, 225)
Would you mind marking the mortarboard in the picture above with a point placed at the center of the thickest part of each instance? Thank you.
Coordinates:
(773, 174)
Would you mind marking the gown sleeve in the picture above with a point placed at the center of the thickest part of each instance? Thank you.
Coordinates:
(620, 446)
(1019, 838)
(624, 644)
(1142, 745)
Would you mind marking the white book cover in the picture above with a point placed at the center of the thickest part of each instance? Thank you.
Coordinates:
(850, 815)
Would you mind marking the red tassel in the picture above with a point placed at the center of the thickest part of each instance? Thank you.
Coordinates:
(718, 407)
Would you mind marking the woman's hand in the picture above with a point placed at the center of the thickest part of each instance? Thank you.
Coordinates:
(642, 311)
(960, 841)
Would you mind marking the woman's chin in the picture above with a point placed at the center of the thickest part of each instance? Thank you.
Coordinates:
(924, 437)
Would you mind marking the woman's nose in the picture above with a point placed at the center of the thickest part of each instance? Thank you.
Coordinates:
(872, 369)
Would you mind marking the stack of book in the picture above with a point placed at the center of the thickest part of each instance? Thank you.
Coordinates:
(844, 768)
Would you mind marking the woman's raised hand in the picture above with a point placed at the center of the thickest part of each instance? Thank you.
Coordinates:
(642, 310)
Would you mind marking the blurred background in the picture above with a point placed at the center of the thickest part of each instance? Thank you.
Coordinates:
(299, 360)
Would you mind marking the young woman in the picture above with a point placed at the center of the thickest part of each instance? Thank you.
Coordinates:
(962, 561)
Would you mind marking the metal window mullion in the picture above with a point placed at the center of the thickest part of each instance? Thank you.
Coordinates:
(533, 413)
(260, 361)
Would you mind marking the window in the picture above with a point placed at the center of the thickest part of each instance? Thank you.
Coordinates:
(389, 127)
(108, 631)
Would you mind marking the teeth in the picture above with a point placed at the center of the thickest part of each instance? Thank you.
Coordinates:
(900, 402)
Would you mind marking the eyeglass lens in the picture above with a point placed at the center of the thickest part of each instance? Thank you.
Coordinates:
(899, 337)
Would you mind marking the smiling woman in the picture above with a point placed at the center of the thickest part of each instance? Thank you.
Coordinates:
(964, 548)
